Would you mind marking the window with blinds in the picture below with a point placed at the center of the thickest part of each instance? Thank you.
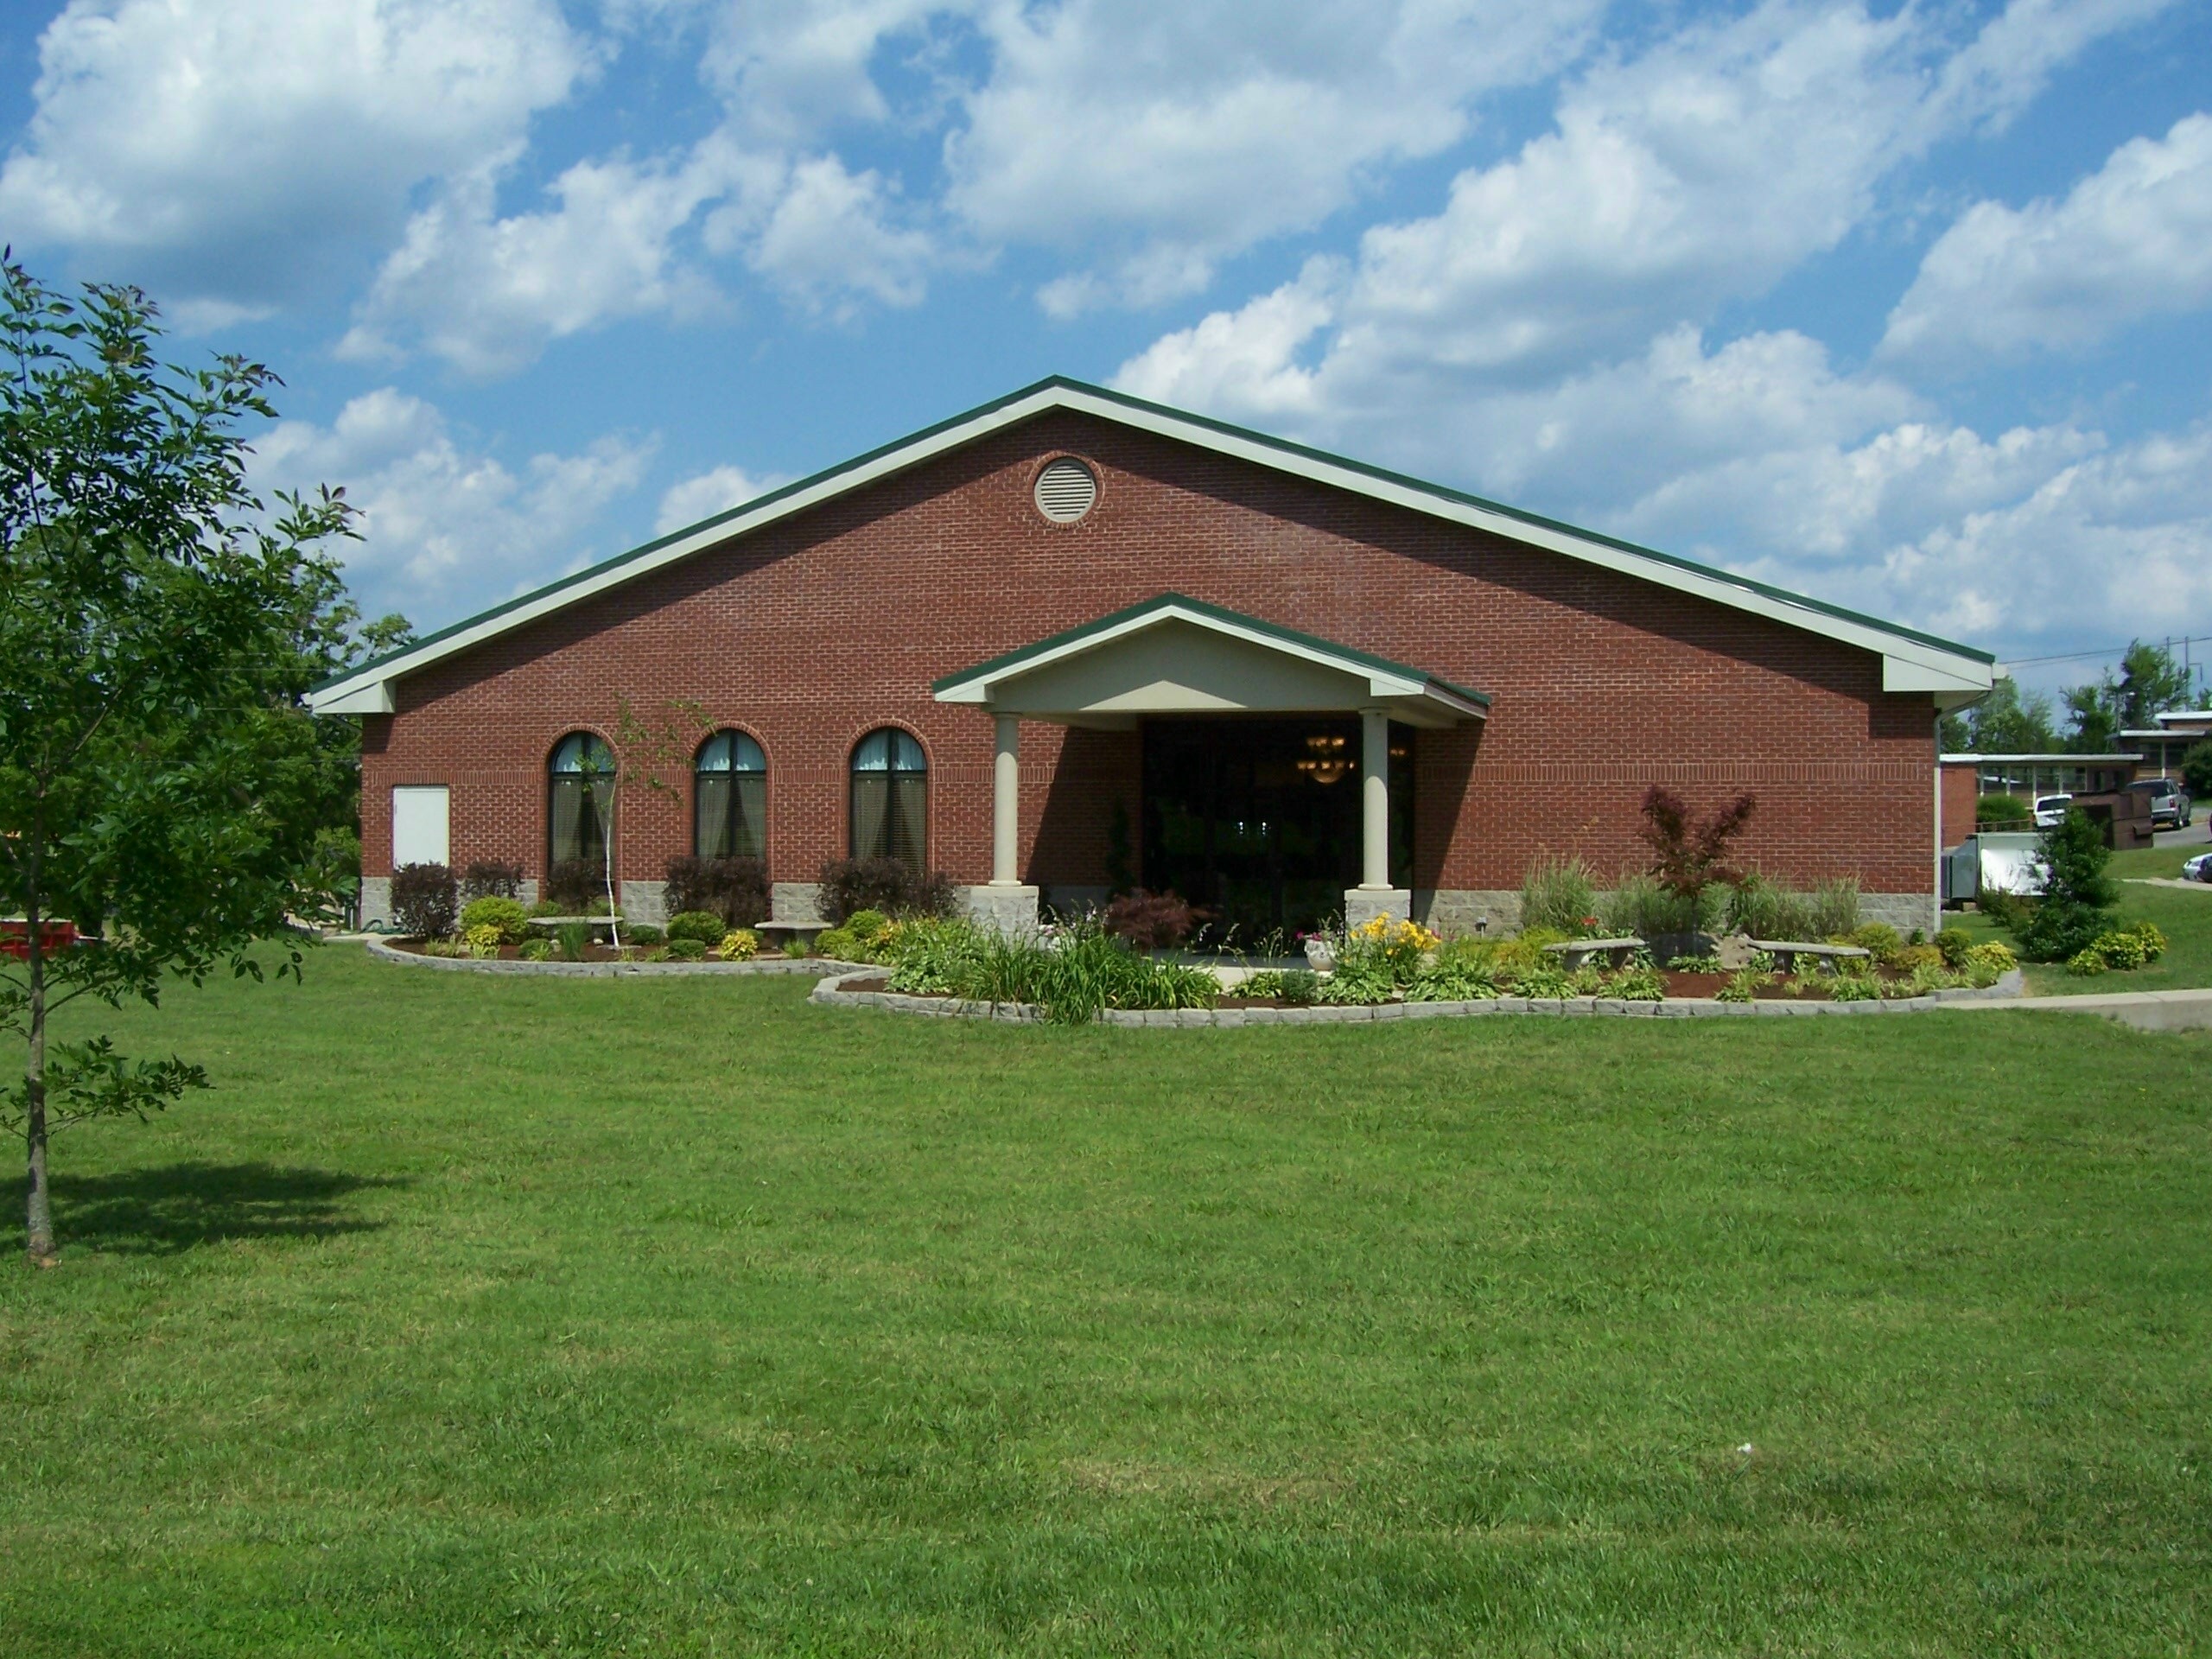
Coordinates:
(729, 799)
(891, 790)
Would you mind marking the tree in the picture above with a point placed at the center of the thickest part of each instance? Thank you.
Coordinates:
(2008, 722)
(160, 784)
(2197, 770)
(2150, 682)
(2076, 891)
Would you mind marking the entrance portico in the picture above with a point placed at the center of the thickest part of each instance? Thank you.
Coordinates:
(1172, 658)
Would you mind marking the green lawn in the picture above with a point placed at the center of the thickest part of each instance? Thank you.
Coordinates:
(2185, 916)
(519, 1317)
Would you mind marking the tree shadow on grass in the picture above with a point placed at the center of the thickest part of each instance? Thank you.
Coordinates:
(177, 1206)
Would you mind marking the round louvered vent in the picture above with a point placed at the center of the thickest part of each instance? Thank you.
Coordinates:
(1065, 491)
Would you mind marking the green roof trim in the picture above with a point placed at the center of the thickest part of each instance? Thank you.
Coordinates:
(1220, 613)
(1285, 446)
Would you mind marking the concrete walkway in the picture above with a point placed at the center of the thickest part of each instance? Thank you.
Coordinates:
(2144, 1010)
(2166, 881)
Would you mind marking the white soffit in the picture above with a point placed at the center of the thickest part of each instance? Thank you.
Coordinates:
(1910, 663)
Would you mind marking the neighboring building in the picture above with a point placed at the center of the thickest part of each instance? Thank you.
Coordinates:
(1968, 778)
(2163, 744)
(1071, 639)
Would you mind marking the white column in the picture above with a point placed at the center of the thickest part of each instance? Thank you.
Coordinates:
(1375, 799)
(1006, 805)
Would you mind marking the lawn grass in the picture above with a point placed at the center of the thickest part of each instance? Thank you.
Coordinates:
(2185, 918)
(518, 1316)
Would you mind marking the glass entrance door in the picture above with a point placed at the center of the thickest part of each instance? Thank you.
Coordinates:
(1257, 821)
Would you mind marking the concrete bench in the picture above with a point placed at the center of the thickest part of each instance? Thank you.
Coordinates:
(598, 924)
(1785, 953)
(806, 932)
(1574, 952)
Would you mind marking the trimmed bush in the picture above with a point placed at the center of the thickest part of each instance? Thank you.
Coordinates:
(490, 879)
(642, 934)
(483, 940)
(740, 944)
(1953, 944)
(1558, 893)
(507, 915)
(886, 885)
(1152, 921)
(866, 925)
(704, 926)
(577, 886)
(687, 949)
(2002, 811)
(423, 899)
(1879, 939)
(838, 944)
(2070, 914)
(734, 890)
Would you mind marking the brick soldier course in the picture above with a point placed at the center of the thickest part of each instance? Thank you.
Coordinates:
(832, 608)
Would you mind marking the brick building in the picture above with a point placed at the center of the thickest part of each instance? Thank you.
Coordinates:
(1070, 641)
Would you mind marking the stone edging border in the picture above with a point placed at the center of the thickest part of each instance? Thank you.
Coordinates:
(816, 965)
(831, 993)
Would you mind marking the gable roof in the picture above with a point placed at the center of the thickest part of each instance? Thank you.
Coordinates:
(1912, 661)
(1386, 680)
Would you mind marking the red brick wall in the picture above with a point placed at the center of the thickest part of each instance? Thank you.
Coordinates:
(812, 632)
(1961, 793)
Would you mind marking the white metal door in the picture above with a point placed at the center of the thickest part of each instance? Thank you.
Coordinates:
(420, 820)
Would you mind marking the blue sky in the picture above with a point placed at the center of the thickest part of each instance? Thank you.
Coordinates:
(1907, 307)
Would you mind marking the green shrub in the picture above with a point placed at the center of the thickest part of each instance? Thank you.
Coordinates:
(739, 944)
(1362, 982)
(2002, 811)
(539, 949)
(545, 907)
(1854, 987)
(1913, 957)
(1705, 964)
(1744, 985)
(1879, 939)
(1558, 892)
(1460, 979)
(687, 949)
(704, 926)
(1994, 953)
(505, 915)
(2154, 942)
(643, 934)
(2070, 914)
(1637, 980)
(570, 938)
(1293, 985)
(1642, 908)
(838, 944)
(2088, 961)
(482, 941)
(865, 925)
(1953, 944)
(446, 948)
(1833, 906)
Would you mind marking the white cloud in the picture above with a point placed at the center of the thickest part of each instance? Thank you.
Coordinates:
(829, 238)
(445, 530)
(1700, 173)
(696, 499)
(237, 151)
(2133, 240)
(486, 293)
(1153, 140)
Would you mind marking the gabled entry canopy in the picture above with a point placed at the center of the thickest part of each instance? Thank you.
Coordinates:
(1172, 655)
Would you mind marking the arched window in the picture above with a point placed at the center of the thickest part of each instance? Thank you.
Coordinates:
(580, 782)
(729, 813)
(891, 798)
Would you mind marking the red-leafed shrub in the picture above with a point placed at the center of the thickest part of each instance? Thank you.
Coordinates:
(1155, 921)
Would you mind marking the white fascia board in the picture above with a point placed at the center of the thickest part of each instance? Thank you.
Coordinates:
(367, 698)
(979, 688)
(1961, 672)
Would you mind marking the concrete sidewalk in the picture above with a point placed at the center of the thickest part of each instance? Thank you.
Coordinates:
(2144, 1010)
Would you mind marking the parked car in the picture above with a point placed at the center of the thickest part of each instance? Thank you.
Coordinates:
(2049, 808)
(2171, 806)
(2198, 869)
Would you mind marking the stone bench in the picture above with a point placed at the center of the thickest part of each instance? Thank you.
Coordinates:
(1574, 952)
(1785, 953)
(806, 932)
